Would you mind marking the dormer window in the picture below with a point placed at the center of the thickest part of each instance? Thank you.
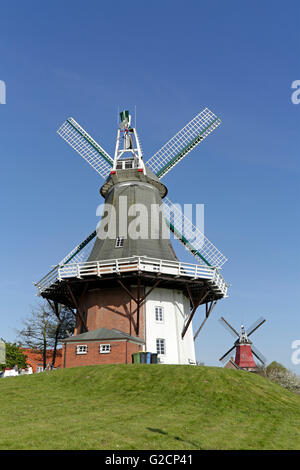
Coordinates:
(119, 242)
(125, 164)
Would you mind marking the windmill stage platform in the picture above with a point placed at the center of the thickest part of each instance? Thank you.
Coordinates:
(167, 273)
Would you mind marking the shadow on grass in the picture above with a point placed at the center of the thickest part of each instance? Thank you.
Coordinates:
(176, 438)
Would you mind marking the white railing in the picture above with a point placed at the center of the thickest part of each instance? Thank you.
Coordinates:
(134, 263)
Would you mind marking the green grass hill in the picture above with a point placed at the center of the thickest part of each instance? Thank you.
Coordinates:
(157, 407)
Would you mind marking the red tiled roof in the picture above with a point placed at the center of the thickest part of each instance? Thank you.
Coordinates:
(35, 357)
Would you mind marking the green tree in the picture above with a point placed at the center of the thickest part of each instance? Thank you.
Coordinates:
(279, 374)
(14, 356)
(275, 367)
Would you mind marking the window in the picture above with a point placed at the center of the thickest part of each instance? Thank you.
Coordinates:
(81, 349)
(125, 164)
(104, 348)
(39, 369)
(119, 242)
(159, 314)
(160, 346)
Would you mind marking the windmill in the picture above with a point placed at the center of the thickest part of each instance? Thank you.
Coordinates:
(244, 348)
(121, 283)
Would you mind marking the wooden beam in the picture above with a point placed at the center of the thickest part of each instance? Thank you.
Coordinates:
(149, 292)
(54, 307)
(193, 312)
(190, 295)
(138, 306)
(127, 290)
(136, 300)
(77, 306)
(208, 312)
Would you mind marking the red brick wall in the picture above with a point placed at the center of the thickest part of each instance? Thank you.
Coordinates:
(111, 308)
(121, 352)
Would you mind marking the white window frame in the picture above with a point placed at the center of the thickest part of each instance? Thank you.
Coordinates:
(119, 242)
(81, 349)
(161, 345)
(104, 348)
(159, 314)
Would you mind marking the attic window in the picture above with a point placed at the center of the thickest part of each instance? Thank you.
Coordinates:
(119, 242)
(104, 348)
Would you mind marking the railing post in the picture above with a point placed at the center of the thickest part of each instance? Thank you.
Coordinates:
(78, 271)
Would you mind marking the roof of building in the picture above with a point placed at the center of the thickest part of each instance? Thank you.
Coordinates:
(35, 356)
(103, 334)
(231, 364)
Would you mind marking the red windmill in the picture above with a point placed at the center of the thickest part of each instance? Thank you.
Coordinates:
(243, 346)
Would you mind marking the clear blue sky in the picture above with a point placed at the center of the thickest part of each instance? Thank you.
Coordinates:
(170, 59)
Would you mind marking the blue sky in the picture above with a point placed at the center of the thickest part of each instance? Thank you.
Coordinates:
(170, 59)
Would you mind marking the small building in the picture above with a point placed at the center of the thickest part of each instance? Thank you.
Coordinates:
(34, 359)
(100, 346)
(231, 364)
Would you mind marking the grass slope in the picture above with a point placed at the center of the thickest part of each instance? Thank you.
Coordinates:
(147, 407)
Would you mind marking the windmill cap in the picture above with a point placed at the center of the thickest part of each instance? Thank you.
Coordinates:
(132, 174)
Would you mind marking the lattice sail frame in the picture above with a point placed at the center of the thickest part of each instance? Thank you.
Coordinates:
(81, 252)
(162, 162)
(191, 237)
(183, 142)
(86, 147)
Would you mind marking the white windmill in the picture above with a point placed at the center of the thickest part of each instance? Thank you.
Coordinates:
(164, 291)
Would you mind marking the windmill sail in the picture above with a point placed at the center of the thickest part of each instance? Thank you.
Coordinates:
(255, 326)
(79, 253)
(183, 142)
(258, 354)
(226, 356)
(191, 237)
(228, 327)
(86, 146)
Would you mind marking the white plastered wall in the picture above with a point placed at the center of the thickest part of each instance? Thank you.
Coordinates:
(176, 309)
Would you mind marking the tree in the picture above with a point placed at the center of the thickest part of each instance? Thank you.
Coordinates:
(279, 374)
(14, 356)
(46, 326)
(63, 325)
(275, 367)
